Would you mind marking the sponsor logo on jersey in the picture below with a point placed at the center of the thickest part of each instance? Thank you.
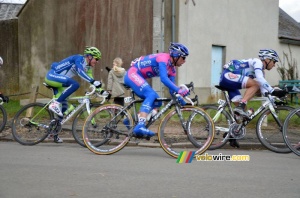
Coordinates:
(62, 65)
(144, 63)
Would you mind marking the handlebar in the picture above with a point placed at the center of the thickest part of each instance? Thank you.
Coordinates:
(97, 93)
(91, 92)
(192, 101)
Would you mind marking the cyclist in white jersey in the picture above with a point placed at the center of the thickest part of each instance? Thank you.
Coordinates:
(249, 74)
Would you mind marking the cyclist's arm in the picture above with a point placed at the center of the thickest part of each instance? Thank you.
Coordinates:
(259, 75)
(80, 71)
(168, 81)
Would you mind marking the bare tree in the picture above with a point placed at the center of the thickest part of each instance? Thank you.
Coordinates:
(291, 71)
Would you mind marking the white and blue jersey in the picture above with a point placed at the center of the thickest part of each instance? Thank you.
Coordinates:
(72, 66)
(237, 72)
(61, 73)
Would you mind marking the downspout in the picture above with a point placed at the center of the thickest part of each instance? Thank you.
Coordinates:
(173, 20)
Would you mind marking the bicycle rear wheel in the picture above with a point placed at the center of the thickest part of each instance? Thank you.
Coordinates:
(269, 132)
(222, 121)
(78, 123)
(107, 129)
(3, 118)
(30, 124)
(291, 131)
(198, 137)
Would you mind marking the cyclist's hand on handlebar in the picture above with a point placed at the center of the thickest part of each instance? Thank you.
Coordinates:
(183, 91)
(96, 83)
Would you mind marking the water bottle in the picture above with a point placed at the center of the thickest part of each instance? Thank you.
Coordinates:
(69, 110)
(250, 112)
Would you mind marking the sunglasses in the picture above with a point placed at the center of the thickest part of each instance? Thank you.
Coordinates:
(97, 59)
(274, 61)
(183, 57)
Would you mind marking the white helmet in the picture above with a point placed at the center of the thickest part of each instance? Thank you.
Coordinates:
(1, 61)
(269, 54)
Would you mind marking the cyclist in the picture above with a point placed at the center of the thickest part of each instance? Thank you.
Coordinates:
(61, 73)
(248, 74)
(4, 98)
(162, 65)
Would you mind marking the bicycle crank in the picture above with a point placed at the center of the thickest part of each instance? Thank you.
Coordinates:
(54, 127)
(237, 131)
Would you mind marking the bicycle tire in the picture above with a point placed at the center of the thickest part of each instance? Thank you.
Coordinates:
(291, 131)
(174, 140)
(29, 124)
(103, 134)
(3, 118)
(221, 123)
(78, 123)
(269, 133)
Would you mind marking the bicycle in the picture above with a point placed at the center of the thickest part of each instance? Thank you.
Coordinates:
(177, 130)
(34, 122)
(228, 126)
(3, 116)
(291, 131)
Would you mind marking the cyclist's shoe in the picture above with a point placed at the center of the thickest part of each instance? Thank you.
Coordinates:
(57, 139)
(126, 123)
(240, 110)
(55, 107)
(141, 130)
(234, 143)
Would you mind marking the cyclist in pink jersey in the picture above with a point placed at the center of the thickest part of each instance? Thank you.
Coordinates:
(162, 65)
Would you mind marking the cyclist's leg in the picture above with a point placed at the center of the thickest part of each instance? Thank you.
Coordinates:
(59, 81)
(142, 89)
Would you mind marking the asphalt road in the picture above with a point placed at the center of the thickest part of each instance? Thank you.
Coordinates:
(71, 171)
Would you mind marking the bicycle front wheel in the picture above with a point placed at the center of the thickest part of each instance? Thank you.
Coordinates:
(30, 124)
(222, 121)
(78, 123)
(107, 129)
(291, 131)
(197, 137)
(3, 118)
(269, 129)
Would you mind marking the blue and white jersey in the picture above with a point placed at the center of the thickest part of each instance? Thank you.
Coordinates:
(253, 68)
(74, 65)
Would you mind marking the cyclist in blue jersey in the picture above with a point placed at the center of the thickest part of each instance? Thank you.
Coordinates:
(3, 97)
(249, 74)
(61, 73)
(162, 65)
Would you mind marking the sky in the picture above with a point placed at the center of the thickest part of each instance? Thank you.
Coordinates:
(292, 7)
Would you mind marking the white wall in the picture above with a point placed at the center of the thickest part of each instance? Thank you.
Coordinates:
(242, 26)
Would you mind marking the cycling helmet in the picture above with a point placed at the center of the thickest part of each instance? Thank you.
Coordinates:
(177, 50)
(1, 61)
(92, 51)
(269, 54)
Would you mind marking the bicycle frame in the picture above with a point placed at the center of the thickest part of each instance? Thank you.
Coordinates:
(269, 103)
(171, 102)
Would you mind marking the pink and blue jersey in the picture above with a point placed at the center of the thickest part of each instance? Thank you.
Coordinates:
(153, 65)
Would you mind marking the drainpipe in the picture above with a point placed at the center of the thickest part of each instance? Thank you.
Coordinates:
(173, 20)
